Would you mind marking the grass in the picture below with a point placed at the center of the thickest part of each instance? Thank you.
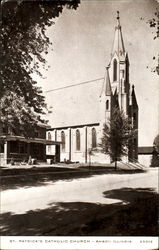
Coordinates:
(12, 178)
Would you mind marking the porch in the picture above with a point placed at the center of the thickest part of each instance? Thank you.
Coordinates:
(20, 149)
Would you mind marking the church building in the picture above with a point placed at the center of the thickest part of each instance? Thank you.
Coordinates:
(80, 136)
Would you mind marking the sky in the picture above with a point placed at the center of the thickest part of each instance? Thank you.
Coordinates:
(82, 42)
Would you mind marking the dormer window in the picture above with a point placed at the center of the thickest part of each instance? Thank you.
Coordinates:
(115, 70)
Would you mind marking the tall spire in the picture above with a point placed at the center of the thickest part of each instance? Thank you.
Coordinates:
(118, 45)
(106, 88)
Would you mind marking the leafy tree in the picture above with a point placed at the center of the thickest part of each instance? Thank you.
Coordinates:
(154, 24)
(17, 118)
(156, 143)
(155, 156)
(116, 135)
(23, 45)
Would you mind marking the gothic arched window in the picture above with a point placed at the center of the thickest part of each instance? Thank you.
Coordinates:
(78, 140)
(49, 136)
(134, 120)
(94, 138)
(63, 140)
(107, 104)
(114, 70)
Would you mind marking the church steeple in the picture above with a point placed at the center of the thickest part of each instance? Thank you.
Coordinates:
(118, 44)
(119, 68)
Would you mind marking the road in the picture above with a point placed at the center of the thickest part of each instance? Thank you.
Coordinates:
(90, 190)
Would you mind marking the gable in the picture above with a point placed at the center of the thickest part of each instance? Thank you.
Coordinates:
(74, 105)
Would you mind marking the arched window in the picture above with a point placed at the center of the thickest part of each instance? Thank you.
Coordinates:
(107, 104)
(49, 136)
(94, 138)
(115, 70)
(134, 119)
(63, 140)
(78, 140)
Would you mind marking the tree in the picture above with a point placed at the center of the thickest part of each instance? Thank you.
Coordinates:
(154, 24)
(156, 143)
(23, 45)
(116, 135)
(155, 156)
(17, 117)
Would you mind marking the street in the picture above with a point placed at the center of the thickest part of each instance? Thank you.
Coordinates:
(115, 191)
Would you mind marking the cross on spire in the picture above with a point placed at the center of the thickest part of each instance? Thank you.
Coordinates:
(118, 45)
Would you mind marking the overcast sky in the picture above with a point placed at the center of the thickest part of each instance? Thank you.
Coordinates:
(82, 42)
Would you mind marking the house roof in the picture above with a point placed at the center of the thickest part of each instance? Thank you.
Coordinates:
(145, 150)
(28, 140)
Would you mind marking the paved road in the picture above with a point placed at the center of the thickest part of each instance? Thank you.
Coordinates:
(91, 190)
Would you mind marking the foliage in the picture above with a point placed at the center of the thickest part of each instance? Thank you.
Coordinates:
(154, 24)
(116, 135)
(156, 143)
(16, 115)
(23, 45)
(155, 156)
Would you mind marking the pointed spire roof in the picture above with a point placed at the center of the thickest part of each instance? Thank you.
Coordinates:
(118, 45)
(107, 83)
(106, 88)
(134, 101)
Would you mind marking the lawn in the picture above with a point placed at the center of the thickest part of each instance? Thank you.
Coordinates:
(24, 176)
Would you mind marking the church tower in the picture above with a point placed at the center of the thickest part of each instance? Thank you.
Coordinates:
(116, 88)
(119, 69)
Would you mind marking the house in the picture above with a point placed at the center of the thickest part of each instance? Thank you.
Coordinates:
(80, 129)
(17, 148)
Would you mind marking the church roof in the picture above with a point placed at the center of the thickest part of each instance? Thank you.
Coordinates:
(74, 106)
(118, 44)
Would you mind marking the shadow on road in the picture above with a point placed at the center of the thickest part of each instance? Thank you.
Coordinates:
(135, 215)
(17, 178)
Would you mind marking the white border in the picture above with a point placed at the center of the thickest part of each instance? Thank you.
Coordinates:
(110, 243)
